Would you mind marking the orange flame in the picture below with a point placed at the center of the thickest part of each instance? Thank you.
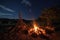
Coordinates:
(36, 29)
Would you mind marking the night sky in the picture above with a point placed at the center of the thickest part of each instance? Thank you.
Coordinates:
(30, 8)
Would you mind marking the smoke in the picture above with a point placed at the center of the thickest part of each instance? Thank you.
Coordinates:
(27, 4)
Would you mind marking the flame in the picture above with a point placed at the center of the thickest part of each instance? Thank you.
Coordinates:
(36, 29)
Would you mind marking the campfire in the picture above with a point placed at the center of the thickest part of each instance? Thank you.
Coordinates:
(37, 30)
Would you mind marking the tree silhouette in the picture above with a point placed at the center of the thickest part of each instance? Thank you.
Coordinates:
(51, 14)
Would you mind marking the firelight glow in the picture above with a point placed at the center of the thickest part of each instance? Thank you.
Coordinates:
(36, 29)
